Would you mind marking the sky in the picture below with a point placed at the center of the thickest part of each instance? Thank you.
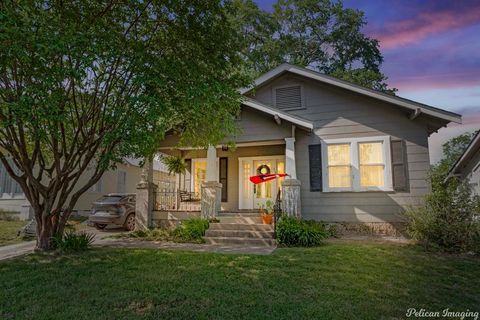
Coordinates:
(431, 51)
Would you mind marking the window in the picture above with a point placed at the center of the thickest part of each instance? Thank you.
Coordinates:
(372, 165)
(199, 174)
(121, 181)
(339, 166)
(358, 164)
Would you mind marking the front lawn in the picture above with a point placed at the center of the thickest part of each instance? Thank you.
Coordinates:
(9, 231)
(340, 281)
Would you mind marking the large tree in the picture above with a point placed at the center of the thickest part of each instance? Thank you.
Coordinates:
(85, 83)
(321, 34)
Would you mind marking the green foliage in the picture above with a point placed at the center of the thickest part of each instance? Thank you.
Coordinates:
(191, 230)
(269, 204)
(84, 84)
(340, 280)
(321, 34)
(72, 241)
(452, 150)
(297, 232)
(450, 218)
(175, 164)
(149, 235)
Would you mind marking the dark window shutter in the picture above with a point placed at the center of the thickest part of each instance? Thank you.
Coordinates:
(315, 161)
(399, 165)
(187, 178)
(223, 175)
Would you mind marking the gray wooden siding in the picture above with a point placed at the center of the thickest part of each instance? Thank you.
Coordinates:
(253, 126)
(472, 173)
(337, 113)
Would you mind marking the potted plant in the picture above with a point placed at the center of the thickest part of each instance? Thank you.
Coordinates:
(267, 212)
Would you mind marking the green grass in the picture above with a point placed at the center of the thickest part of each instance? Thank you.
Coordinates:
(9, 230)
(336, 281)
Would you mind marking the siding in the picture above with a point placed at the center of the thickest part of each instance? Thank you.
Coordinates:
(472, 173)
(253, 126)
(336, 113)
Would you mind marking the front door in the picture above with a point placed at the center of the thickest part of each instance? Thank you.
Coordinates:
(256, 196)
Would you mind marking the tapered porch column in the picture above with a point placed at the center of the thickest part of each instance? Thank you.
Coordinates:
(291, 185)
(211, 188)
(290, 166)
(145, 199)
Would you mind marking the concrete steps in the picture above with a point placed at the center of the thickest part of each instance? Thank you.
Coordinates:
(240, 219)
(240, 229)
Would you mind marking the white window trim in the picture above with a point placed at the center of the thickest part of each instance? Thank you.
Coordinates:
(302, 95)
(355, 166)
(192, 179)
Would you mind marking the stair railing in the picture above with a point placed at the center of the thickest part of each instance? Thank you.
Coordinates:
(277, 212)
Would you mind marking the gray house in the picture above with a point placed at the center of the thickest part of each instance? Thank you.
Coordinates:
(353, 155)
(467, 166)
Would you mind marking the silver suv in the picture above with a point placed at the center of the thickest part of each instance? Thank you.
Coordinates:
(114, 208)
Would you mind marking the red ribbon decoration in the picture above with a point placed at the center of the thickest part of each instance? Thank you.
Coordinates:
(266, 177)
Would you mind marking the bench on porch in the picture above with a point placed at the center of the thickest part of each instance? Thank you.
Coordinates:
(187, 196)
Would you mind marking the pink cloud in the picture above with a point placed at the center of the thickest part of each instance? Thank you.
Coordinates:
(410, 31)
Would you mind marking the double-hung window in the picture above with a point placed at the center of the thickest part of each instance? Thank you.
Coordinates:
(357, 164)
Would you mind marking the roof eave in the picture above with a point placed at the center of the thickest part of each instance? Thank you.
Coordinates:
(412, 105)
(277, 113)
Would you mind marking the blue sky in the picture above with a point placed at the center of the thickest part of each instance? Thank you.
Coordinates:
(431, 51)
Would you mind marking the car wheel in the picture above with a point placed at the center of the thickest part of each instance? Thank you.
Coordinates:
(130, 222)
(100, 226)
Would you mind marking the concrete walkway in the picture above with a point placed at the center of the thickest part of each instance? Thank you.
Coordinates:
(15, 250)
(102, 239)
(133, 243)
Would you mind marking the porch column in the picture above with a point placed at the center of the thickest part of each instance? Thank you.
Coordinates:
(290, 167)
(291, 185)
(145, 199)
(211, 189)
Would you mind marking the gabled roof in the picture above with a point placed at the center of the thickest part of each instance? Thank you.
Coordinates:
(278, 113)
(416, 107)
(469, 153)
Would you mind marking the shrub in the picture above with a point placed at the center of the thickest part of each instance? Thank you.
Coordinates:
(305, 233)
(191, 230)
(449, 219)
(74, 242)
(149, 235)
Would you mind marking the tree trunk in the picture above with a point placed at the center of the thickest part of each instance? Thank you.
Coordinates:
(47, 227)
(44, 241)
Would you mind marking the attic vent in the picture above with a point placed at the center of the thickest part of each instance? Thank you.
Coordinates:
(288, 97)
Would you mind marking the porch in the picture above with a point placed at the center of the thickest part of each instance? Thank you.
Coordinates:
(231, 168)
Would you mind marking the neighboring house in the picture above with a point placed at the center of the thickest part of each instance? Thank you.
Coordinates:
(123, 179)
(360, 155)
(467, 166)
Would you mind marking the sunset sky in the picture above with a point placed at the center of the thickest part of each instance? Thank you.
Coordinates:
(432, 54)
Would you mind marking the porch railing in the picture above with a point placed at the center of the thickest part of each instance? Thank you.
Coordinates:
(177, 200)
